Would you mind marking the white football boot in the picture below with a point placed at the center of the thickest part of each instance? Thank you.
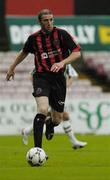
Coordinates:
(79, 144)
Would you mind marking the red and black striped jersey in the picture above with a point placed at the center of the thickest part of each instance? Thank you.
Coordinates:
(49, 48)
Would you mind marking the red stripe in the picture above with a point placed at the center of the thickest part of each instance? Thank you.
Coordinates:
(39, 43)
(76, 49)
(49, 48)
(58, 45)
(39, 68)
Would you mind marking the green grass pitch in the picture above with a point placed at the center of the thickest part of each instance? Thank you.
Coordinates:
(64, 163)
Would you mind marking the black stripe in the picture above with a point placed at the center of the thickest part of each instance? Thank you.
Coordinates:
(64, 50)
(61, 43)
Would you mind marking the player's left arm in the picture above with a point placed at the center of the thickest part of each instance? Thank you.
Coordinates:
(72, 57)
(73, 47)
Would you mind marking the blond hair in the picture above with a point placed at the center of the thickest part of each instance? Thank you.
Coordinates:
(44, 12)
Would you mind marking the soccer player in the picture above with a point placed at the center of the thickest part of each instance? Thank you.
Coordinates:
(70, 74)
(53, 49)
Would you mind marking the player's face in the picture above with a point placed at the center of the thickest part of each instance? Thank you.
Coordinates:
(47, 22)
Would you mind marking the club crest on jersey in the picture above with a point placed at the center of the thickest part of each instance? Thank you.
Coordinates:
(44, 55)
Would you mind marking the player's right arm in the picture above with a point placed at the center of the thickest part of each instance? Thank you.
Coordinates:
(20, 57)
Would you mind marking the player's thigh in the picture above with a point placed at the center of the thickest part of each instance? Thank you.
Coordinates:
(58, 94)
(42, 104)
(41, 86)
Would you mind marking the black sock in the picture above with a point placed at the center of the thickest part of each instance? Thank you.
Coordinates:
(38, 129)
(52, 124)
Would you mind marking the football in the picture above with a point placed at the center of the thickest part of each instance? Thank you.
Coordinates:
(36, 156)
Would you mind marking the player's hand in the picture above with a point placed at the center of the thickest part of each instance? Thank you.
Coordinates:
(57, 66)
(10, 75)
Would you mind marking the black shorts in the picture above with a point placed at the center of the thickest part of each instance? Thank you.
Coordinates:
(52, 85)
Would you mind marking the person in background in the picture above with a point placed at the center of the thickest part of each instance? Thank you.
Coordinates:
(70, 74)
(53, 48)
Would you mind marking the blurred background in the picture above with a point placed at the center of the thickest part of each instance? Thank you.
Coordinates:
(88, 100)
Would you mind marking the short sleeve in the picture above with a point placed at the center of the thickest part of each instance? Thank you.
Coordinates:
(28, 46)
(70, 42)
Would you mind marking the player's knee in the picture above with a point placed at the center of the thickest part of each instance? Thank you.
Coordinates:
(58, 118)
(65, 116)
(43, 110)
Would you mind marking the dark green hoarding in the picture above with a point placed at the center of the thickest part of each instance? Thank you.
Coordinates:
(92, 32)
